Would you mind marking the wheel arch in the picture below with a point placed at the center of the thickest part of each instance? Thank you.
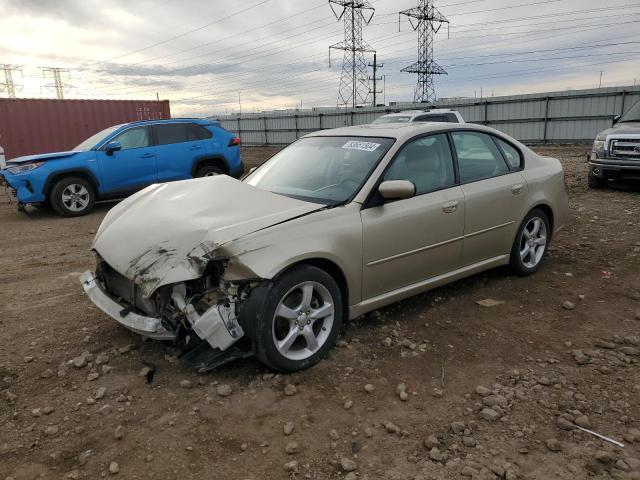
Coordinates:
(548, 210)
(215, 160)
(329, 267)
(83, 173)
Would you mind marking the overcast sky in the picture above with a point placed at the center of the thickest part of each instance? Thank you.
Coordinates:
(200, 54)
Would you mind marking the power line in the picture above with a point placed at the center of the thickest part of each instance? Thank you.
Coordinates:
(184, 34)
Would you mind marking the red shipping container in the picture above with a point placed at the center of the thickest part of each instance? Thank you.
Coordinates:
(29, 126)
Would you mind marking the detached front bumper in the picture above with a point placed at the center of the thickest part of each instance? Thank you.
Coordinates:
(146, 326)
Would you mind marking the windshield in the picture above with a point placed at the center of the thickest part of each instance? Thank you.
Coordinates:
(327, 170)
(93, 140)
(632, 115)
(393, 119)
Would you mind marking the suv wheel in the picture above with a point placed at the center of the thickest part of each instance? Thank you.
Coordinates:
(294, 320)
(531, 243)
(595, 182)
(208, 171)
(72, 197)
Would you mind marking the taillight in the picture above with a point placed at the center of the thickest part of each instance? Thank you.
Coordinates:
(234, 142)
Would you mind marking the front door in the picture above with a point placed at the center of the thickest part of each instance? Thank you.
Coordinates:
(495, 196)
(408, 241)
(131, 168)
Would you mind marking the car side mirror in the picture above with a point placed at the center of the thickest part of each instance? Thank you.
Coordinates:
(112, 147)
(397, 189)
(616, 119)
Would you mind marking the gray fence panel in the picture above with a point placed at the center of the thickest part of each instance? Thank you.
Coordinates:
(568, 116)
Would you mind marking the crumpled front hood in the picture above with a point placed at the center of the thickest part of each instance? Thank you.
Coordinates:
(167, 232)
(40, 157)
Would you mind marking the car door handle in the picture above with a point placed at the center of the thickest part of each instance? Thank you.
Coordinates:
(450, 207)
(195, 147)
(517, 189)
(147, 155)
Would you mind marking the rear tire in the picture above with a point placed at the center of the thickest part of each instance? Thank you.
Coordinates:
(72, 197)
(595, 182)
(208, 171)
(531, 243)
(293, 321)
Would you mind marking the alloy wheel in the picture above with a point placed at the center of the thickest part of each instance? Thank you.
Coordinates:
(75, 197)
(303, 320)
(533, 242)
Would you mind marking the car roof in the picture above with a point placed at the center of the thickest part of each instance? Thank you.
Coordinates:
(199, 121)
(399, 131)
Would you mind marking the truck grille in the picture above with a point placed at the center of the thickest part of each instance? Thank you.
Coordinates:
(626, 148)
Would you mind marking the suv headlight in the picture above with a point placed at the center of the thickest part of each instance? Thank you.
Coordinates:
(24, 168)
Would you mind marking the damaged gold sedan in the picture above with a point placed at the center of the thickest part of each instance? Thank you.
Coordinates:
(339, 223)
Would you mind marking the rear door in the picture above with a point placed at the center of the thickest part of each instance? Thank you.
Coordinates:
(131, 168)
(495, 196)
(178, 146)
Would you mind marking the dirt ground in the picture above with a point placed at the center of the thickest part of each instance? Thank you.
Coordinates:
(489, 392)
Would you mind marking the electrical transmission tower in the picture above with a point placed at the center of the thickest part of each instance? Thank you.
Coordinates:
(9, 85)
(354, 82)
(58, 85)
(427, 20)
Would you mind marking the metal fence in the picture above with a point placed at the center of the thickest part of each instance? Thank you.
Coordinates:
(552, 117)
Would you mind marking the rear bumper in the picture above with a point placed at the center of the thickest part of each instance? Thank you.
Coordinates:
(146, 326)
(238, 170)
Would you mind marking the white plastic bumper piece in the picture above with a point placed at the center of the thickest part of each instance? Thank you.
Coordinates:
(147, 326)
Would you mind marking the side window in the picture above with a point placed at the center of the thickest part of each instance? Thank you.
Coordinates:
(197, 132)
(427, 162)
(451, 118)
(478, 156)
(431, 118)
(168, 133)
(514, 159)
(134, 138)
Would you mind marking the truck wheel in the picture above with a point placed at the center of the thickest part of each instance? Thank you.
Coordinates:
(294, 320)
(208, 171)
(595, 182)
(531, 243)
(72, 197)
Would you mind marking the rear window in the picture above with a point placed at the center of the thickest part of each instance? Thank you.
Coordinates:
(168, 133)
(197, 132)
(393, 119)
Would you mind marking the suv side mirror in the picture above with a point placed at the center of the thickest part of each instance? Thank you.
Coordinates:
(112, 147)
(616, 119)
(397, 189)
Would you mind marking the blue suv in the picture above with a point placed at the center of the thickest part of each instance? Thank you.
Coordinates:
(121, 160)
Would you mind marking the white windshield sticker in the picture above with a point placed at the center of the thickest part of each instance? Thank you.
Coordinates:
(364, 146)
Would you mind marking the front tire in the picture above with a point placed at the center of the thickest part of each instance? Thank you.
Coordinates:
(72, 197)
(293, 321)
(595, 182)
(531, 243)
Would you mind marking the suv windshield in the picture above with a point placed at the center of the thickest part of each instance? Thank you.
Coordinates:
(632, 115)
(328, 170)
(93, 140)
